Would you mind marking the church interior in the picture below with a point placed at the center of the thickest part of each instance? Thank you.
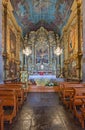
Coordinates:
(42, 64)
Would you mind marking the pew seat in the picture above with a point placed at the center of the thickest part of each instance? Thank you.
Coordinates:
(1, 116)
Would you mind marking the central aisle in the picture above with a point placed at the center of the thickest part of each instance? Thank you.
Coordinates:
(42, 111)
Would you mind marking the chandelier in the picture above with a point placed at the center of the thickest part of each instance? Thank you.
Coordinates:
(27, 51)
(58, 51)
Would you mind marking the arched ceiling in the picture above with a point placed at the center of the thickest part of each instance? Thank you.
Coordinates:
(32, 14)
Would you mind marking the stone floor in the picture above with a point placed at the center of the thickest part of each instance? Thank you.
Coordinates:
(42, 111)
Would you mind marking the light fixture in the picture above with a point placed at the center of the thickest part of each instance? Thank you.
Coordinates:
(58, 51)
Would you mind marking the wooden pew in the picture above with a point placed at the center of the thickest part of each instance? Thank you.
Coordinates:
(68, 86)
(1, 116)
(68, 91)
(78, 97)
(77, 102)
(9, 98)
(23, 86)
(63, 85)
(82, 114)
(73, 95)
(19, 91)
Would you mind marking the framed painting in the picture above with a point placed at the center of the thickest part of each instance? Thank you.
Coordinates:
(42, 55)
(12, 70)
(12, 42)
(71, 39)
(74, 70)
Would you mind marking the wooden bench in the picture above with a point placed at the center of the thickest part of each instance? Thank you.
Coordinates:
(73, 95)
(19, 92)
(82, 115)
(23, 86)
(79, 93)
(67, 92)
(77, 102)
(63, 85)
(1, 116)
(9, 98)
(19, 89)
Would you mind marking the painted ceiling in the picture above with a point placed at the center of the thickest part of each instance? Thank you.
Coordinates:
(51, 14)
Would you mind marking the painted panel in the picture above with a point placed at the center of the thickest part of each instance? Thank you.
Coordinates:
(32, 14)
(42, 55)
(12, 42)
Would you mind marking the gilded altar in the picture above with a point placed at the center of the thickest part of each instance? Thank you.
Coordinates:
(42, 43)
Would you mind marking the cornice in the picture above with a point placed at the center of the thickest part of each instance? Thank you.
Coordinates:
(10, 14)
(73, 17)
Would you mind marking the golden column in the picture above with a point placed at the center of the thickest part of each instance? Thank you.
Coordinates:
(1, 61)
(83, 66)
(18, 50)
(79, 36)
(5, 4)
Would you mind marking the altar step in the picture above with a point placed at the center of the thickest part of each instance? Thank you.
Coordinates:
(35, 88)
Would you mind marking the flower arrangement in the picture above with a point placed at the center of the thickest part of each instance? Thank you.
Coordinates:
(52, 83)
(41, 82)
(46, 82)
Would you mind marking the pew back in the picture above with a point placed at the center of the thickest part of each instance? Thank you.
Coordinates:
(9, 98)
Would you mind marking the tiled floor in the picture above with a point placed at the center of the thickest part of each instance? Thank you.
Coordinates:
(42, 111)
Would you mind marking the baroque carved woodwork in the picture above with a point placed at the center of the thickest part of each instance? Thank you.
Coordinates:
(72, 37)
(42, 43)
(11, 32)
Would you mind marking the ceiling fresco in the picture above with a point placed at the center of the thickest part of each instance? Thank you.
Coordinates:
(51, 14)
